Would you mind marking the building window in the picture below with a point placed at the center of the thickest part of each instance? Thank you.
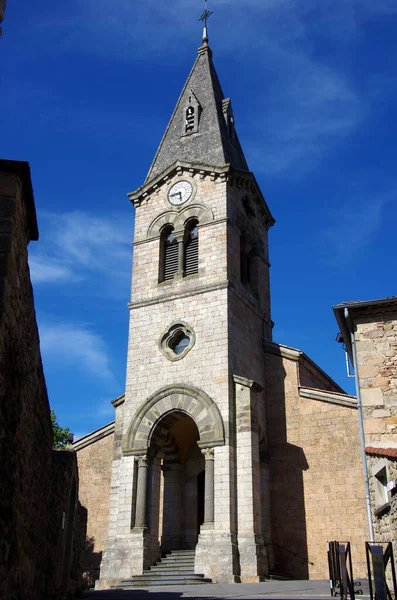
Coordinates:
(190, 122)
(177, 340)
(191, 246)
(179, 343)
(380, 474)
(168, 254)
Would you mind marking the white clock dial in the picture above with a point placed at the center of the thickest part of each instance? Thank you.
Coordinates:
(180, 192)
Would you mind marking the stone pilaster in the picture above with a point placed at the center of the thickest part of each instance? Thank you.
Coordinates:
(253, 559)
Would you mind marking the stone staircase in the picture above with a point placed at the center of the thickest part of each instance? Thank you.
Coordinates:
(176, 568)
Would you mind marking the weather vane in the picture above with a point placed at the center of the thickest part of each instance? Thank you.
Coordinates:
(204, 18)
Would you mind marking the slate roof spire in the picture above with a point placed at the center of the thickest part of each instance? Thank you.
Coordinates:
(201, 129)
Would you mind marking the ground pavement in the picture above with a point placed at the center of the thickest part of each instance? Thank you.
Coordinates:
(282, 590)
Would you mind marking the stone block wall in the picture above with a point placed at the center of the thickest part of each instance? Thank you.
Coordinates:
(376, 343)
(385, 522)
(95, 469)
(316, 487)
(32, 540)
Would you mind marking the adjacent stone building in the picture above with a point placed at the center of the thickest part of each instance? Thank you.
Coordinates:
(42, 525)
(371, 327)
(225, 444)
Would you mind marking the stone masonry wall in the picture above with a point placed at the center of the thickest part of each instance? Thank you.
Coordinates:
(385, 523)
(95, 469)
(376, 342)
(316, 489)
(25, 425)
(32, 541)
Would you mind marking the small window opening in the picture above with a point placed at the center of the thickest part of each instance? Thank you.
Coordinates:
(190, 119)
(180, 343)
(381, 494)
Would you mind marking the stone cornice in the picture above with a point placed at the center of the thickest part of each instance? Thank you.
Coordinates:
(178, 168)
(204, 289)
(118, 401)
(283, 351)
(93, 437)
(250, 383)
(226, 174)
(330, 397)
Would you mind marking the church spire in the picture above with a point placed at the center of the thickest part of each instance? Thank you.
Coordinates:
(201, 130)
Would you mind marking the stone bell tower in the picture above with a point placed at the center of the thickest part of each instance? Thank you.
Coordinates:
(190, 434)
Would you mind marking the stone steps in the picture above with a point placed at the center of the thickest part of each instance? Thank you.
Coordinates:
(176, 568)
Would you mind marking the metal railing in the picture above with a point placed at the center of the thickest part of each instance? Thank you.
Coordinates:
(379, 559)
(341, 570)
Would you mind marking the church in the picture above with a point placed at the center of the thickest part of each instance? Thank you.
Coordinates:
(228, 448)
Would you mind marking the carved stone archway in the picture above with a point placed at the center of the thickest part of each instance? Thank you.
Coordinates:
(182, 398)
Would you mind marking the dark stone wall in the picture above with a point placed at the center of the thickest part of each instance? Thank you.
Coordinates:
(31, 497)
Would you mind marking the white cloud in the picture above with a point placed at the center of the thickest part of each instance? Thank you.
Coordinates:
(353, 227)
(78, 246)
(76, 346)
(44, 271)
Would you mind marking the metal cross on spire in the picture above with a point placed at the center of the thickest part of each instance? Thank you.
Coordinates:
(204, 17)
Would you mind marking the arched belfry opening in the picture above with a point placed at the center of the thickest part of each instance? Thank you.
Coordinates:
(175, 483)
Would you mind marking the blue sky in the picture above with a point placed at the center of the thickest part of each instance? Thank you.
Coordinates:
(87, 88)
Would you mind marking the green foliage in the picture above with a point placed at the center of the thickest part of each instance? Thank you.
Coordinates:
(61, 435)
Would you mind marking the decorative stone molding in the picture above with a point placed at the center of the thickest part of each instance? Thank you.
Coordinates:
(178, 219)
(143, 460)
(179, 168)
(330, 397)
(176, 398)
(171, 335)
(208, 453)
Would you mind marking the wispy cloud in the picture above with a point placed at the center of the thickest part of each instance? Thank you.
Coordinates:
(45, 270)
(302, 102)
(70, 345)
(353, 228)
(77, 246)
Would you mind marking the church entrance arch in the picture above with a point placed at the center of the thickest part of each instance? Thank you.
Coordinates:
(173, 435)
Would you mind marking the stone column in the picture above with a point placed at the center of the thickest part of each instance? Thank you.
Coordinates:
(209, 488)
(181, 256)
(140, 510)
(253, 557)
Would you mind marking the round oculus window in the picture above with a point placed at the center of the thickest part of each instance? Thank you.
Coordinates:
(177, 340)
(180, 342)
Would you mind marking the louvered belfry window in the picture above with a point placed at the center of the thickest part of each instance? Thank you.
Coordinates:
(191, 248)
(170, 255)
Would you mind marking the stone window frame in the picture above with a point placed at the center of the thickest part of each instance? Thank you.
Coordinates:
(174, 329)
(380, 471)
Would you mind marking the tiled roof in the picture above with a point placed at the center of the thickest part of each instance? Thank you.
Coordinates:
(389, 452)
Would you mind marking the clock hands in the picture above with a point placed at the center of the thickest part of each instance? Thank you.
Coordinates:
(176, 195)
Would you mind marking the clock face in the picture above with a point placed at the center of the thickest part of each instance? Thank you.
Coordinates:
(180, 192)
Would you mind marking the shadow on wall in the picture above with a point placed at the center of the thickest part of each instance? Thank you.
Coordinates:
(286, 465)
(92, 562)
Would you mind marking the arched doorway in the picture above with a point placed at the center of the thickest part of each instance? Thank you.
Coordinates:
(175, 482)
